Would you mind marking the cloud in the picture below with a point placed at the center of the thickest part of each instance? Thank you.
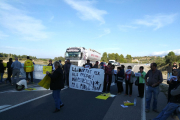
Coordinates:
(156, 21)
(163, 53)
(106, 32)
(125, 28)
(19, 23)
(87, 11)
(2, 35)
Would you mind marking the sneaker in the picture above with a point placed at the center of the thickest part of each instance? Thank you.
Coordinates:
(147, 110)
(61, 105)
(156, 111)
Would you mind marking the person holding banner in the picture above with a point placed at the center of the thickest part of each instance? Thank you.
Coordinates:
(66, 71)
(172, 84)
(56, 85)
(107, 78)
(129, 80)
(141, 82)
(88, 64)
(120, 78)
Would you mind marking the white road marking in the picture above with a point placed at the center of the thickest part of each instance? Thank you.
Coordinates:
(143, 114)
(26, 102)
(4, 106)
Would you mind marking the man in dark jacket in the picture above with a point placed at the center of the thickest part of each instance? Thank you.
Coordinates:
(96, 65)
(88, 64)
(172, 105)
(1, 71)
(9, 69)
(120, 78)
(66, 70)
(56, 85)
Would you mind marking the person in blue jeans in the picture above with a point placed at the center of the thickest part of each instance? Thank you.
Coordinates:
(56, 85)
(152, 86)
(172, 105)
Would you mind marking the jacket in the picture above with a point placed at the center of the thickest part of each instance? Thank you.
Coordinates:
(131, 79)
(142, 78)
(28, 66)
(67, 68)
(175, 94)
(120, 76)
(1, 68)
(56, 79)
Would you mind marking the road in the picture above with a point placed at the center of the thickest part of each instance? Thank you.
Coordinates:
(79, 105)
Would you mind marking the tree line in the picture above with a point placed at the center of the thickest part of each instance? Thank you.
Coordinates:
(5, 56)
(115, 56)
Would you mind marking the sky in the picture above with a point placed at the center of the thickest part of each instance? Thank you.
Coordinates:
(46, 28)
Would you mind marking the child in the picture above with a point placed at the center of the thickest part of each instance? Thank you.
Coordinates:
(129, 80)
(22, 84)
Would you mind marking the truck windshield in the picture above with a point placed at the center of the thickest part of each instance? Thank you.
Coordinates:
(73, 55)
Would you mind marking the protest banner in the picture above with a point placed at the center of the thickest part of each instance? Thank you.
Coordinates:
(138, 74)
(47, 68)
(128, 71)
(86, 79)
(174, 78)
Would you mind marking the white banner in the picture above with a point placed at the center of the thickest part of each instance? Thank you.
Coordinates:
(138, 74)
(86, 79)
(128, 71)
(174, 78)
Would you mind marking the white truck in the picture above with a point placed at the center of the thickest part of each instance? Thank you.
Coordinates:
(79, 55)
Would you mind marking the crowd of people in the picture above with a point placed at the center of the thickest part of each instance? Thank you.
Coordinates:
(152, 79)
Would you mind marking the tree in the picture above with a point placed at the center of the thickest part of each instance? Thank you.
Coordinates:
(111, 56)
(170, 58)
(121, 59)
(116, 57)
(129, 58)
(104, 57)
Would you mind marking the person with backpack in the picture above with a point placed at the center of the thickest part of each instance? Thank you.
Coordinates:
(120, 78)
(107, 78)
(129, 80)
(141, 82)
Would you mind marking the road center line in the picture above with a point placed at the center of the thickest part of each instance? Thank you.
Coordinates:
(26, 102)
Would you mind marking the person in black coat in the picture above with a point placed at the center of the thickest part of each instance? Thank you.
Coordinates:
(1, 71)
(9, 69)
(120, 78)
(56, 85)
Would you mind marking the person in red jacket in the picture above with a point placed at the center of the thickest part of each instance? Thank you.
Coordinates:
(108, 77)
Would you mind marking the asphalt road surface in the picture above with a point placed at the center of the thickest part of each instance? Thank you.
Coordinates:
(79, 105)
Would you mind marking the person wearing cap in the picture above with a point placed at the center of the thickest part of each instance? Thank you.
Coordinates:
(102, 65)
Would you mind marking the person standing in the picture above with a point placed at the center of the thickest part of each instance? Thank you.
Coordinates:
(174, 67)
(120, 78)
(29, 68)
(169, 71)
(96, 65)
(102, 65)
(1, 71)
(56, 85)
(66, 70)
(9, 70)
(141, 82)
(60, 63)
(88, 64)
(50, 64)
(16, 65)
(155, 78)
(129, 80)
(107, 78)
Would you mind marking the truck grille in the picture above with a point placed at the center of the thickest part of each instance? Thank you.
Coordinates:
(74, 63)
